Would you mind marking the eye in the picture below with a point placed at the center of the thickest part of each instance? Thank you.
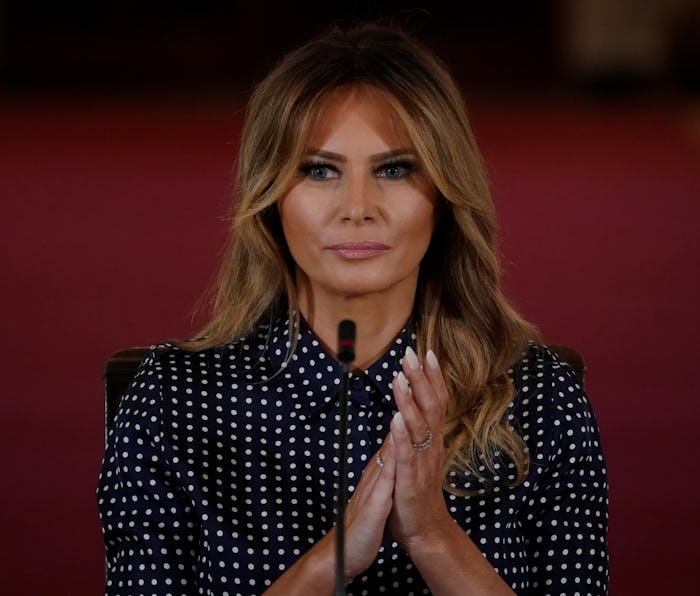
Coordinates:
(395, 170)
(319, 170)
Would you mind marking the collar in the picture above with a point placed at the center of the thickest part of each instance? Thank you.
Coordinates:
(312, 374)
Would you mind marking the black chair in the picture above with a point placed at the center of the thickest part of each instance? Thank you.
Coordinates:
(122, 365)
(119, 371)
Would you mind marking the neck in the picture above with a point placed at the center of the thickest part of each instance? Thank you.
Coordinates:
(378, 320)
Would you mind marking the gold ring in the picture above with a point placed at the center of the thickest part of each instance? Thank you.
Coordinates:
(380, 461)
(425, 444)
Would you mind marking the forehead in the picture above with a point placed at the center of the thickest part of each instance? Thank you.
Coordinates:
(357, 109)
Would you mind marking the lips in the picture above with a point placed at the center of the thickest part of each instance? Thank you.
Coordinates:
(359, 250)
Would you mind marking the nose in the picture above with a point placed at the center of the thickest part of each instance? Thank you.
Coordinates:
(360, 200)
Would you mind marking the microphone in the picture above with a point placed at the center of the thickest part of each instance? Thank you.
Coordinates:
(346, 341)
(346, 354)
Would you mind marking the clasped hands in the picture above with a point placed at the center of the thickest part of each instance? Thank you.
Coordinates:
(400, 490)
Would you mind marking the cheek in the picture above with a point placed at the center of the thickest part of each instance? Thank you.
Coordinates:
(299, 226)
(301, 207)
(421, 219)
(291, 215)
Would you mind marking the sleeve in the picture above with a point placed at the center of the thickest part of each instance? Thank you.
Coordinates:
(567, 511)
(149, 527)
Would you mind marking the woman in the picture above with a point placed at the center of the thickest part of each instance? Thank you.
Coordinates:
(474, 462)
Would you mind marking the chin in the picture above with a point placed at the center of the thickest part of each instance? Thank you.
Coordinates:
(359, 286)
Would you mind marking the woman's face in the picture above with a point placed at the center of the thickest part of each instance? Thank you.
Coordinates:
(361, 211)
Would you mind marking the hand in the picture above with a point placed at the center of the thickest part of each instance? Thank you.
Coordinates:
(366, 514)
(418, 503)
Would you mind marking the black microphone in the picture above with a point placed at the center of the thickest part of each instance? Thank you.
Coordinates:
(346, 354)
(346, 341)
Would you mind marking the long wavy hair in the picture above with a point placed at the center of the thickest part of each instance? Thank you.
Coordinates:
(459, 310)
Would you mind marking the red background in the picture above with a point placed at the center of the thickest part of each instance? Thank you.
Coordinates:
(113, 219)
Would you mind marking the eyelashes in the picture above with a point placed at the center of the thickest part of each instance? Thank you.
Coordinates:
(319, 170)
(395, 169)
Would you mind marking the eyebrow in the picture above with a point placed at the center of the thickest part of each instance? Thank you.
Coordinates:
(375, 158)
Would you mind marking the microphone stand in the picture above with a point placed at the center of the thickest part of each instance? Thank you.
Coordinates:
(346, 354)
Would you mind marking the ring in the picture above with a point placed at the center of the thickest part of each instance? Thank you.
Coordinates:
(425, 444)
(380, 461)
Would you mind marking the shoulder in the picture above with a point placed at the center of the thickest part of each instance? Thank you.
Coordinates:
(168, 372)
(539, 361)
(551, 409)
(168, 359)
(542, 372)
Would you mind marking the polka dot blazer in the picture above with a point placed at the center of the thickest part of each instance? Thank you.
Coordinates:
(221, 471)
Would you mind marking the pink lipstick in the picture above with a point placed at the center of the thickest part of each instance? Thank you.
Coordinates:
(359, 250)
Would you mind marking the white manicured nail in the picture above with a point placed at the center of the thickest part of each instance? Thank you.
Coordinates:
(412, 359)
(432, 359)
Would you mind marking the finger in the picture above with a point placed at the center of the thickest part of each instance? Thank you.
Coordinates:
(424, 394)
(367, 514)
(387, 471)
(376, 483)
(381, 454)
(373, 467)
(381, 484)
(437, 380)
(415, 421)
(401, 442)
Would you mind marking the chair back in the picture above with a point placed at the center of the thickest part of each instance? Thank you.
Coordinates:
(119, 371)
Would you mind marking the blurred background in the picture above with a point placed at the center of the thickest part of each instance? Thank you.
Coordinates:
(118, 132)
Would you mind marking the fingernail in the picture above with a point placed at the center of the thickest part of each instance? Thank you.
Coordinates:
(412, 359)
(403, 382)
(398, 422)
(432, 359)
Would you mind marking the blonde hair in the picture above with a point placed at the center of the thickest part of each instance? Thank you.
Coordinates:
(459, 311)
